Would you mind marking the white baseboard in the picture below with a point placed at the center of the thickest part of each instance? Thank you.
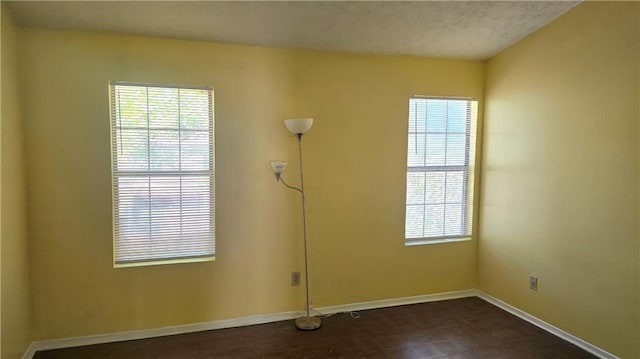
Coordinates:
(229, 323)
(398, 301)
(275, 317)
(547, 327)
(159, 332)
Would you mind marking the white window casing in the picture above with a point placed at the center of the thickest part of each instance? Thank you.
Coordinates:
(163, 173)
(440, 169)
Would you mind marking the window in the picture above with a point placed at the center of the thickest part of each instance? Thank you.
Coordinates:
(440, 169)
(163, 173)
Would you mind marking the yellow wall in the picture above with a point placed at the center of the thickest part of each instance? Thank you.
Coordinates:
(14, 269)
(355, 175)
(560, 175)
(354, 169)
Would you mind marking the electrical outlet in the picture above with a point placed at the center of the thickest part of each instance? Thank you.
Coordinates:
(295, 278)
(533, 283)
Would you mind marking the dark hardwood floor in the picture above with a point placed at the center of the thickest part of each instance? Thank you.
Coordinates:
(460, 328)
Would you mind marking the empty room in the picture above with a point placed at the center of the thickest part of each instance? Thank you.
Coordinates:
(320, 179)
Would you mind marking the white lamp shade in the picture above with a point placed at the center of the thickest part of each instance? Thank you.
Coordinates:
(298, 125)
(278, 167)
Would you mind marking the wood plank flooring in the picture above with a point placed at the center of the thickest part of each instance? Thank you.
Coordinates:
(461, 328)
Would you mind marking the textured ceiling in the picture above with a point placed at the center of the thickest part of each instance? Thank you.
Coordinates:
(461, 30)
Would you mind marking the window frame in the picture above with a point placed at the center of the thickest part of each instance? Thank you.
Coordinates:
(116, 174)
(468, 169)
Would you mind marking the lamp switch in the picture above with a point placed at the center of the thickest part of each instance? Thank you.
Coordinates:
(533, 283)
(295, 279)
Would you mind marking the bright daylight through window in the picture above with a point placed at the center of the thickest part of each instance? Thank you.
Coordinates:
(163, 173)
(440, 169)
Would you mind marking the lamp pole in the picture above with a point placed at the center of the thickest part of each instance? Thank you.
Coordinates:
(308, 322)
(304, 230)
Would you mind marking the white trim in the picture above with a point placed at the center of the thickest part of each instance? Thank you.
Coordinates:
(397, 301)
(160, 332)
(600, 353)
(31, 351)
(275, 317)
(235, 322)
(408, 242)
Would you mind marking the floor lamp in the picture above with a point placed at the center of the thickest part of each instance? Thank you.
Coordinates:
(298, 127)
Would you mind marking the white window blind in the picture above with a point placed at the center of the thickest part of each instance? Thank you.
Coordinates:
(440, 168)
(163, 173)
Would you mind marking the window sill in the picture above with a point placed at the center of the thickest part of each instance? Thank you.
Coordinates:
(423, 241)
(164, 262)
